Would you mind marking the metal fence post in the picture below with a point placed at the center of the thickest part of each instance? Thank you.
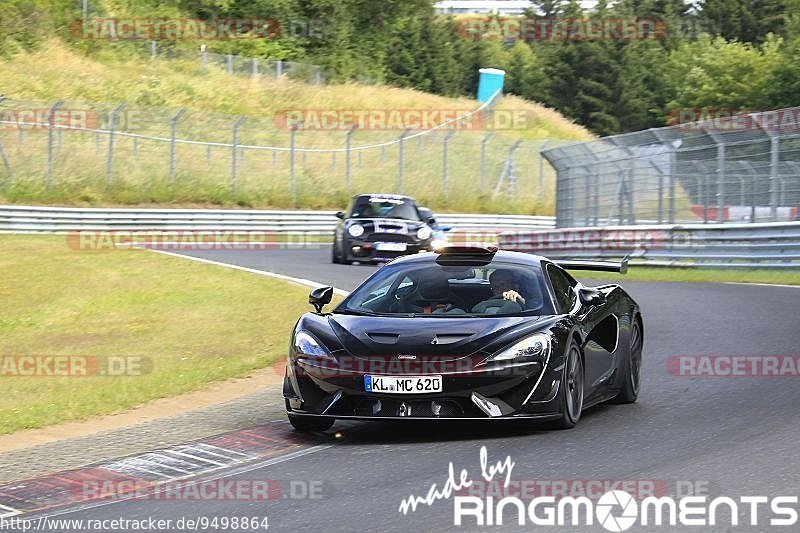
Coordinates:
(445, 145)
(173, 128)
(234, 147)
(50, 125)
(229, 64)
(153, 49)
(203, 58)
(596, 199)
(541, 167)
(111, 127)
(255, 68)
(348, 141)
(400, 160)
(318, 75)
(673, 167)
(4, 157)
(721, 182)
(483, 159)
(278, 68)
(292, 173)
(774, 159)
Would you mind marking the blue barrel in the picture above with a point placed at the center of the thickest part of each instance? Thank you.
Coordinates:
(490, 81)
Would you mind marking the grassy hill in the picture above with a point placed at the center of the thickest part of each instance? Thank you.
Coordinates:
(155, 89)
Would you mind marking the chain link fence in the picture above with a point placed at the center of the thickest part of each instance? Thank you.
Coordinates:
(134, 154)
(236, 65)
(740, 168)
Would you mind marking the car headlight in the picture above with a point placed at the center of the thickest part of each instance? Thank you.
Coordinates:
(533, 348)
(305, 344)
(424, 233)
(356, 230)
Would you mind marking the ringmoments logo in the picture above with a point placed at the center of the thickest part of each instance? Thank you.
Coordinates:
(615, 510)
(618, 511)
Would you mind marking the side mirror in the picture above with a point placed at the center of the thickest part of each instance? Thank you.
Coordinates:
(431, 221)
(590, 296)
(319, 297)
(340, 215)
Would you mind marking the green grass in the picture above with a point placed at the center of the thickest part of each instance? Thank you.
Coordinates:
(154, 90)
(196, 323)
(703, 275)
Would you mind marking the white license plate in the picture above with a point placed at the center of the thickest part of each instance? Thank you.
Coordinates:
(403, 384)
(390, 246)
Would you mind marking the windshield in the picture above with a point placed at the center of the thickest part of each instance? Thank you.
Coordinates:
(384, 207)
(492, 289)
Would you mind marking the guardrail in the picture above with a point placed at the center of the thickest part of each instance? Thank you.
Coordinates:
(32, 219)
(760, 245)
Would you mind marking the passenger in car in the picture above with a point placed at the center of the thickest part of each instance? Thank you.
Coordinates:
(433, 296)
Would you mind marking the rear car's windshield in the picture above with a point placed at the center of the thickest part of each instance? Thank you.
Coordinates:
(496, 288)
(383, 207)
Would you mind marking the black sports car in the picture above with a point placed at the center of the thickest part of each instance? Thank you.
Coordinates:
(380, 227)
(466, 333)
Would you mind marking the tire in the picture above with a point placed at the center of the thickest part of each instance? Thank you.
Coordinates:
(310, 423)
(341, 258)
(632, 368)
(572, 389)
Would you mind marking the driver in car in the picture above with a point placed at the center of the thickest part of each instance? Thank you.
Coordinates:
(505, 295)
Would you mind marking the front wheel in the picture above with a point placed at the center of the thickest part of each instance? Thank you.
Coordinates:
(572, 390)
(335, 259)
(310, 423)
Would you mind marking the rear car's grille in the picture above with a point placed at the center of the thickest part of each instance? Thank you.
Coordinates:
(388, 237)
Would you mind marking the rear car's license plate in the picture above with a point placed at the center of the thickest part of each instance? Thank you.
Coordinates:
(403, 384)
(390, 246)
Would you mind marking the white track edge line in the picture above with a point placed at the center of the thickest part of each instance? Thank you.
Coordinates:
(299, 281)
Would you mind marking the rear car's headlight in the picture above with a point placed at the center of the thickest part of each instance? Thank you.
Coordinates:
(305, 344)
(533, 348)
(356, 230)
(424, 233)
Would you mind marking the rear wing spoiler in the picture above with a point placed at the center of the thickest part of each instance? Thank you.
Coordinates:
(597, 266)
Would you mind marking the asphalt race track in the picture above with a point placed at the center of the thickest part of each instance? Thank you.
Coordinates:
(732, 436)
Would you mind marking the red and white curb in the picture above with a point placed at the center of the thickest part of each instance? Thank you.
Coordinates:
(156, 468)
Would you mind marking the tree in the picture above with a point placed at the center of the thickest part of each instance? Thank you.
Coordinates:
(719, 74)
(748, 20)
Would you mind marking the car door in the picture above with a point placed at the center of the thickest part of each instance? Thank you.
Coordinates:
(595, 326)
